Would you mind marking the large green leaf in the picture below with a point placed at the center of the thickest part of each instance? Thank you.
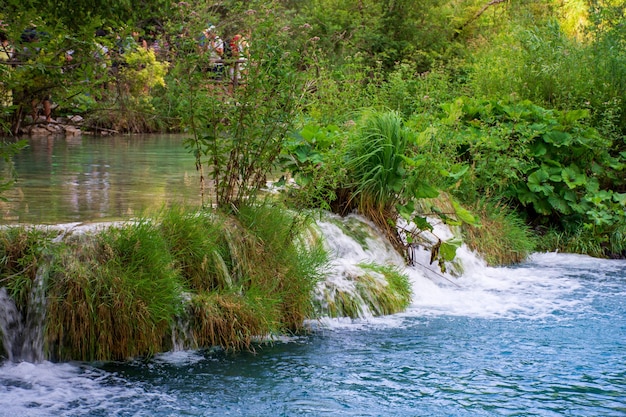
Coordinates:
(537, 182)
(422, 223)
(447, 250)
(573, 177)
(539, 149)
(406, 210)
(424, 190)
(620, 198)
(463, 214)
(559, 204)
(558, 138)
(542, 207)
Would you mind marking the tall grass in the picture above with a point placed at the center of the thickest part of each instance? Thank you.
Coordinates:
(114, 296)
(286, 265)
(120, 292)
(22, 252)
(585, 240)
(196, 241)
(375, 159)
(502, 237)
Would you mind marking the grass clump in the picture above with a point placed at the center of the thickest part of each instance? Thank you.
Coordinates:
(121, 292)
(584, 240)
(113, 296)
(286, 265)
(232, 320)
(22, 251)
(385, 289)
(371, 289)
(198, 245)
(502, 238)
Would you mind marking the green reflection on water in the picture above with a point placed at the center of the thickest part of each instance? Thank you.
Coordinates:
(85, 178)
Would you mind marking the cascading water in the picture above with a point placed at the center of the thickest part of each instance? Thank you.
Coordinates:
(22, 331)
(468, 287)
(352, 242)
(542, 338)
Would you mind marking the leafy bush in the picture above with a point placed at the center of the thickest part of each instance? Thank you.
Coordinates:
(549, 164)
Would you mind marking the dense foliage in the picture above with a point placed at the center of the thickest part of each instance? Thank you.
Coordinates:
(378, 106)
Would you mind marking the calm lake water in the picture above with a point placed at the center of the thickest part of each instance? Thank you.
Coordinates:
(85, 178)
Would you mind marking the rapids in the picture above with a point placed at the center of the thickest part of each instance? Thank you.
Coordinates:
(547, 337)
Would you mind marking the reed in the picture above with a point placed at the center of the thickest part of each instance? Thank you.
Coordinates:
(502, 238)
(113, 296)
(231, 320)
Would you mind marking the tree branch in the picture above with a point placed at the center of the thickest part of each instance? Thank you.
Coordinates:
(476, 16)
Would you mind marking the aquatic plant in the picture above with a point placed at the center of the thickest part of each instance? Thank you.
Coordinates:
(369, 289)
(231, 320)
(287, 266)
(22, 252)
(25, 261)
(385, 288)
(198, 244)
(120, 292)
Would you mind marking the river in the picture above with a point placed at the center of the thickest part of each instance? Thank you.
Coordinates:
(545, 338)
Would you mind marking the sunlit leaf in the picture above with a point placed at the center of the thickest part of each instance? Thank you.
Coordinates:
(463, 214)
(447, 250)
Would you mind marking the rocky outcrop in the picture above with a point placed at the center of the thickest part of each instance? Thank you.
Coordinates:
(63, 126)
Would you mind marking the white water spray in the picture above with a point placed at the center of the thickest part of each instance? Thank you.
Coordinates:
(22, 331)
(470, 289)
(352, 242)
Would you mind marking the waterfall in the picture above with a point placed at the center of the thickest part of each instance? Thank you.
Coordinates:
(351, 287)
(22, 331)
(468, 287)
(354, 241)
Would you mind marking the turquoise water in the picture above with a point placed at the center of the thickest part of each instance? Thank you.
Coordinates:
(85, 178)
(547, 338)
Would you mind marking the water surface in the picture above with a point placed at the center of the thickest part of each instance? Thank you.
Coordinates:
(86, 178)
(547, 338)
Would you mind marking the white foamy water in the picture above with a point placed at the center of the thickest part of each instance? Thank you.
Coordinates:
(537, 289)
(48, 389)
(351, 241)
(513, 292)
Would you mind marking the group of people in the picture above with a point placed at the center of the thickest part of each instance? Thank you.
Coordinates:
(221, 55)
(29, 48)
(223, 61)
